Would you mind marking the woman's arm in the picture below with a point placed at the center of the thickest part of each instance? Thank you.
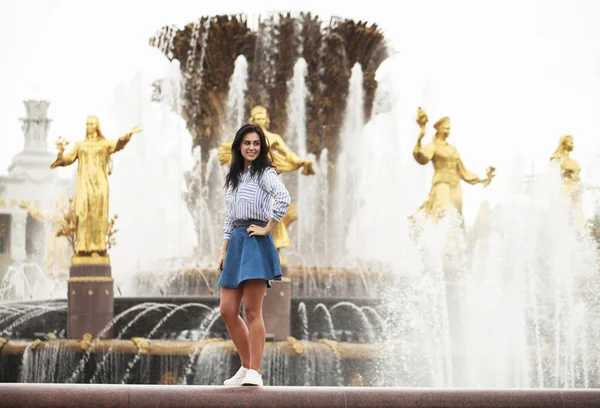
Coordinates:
(272, 184)
(227, 229)
(281, 197)
(221, 260)
(228, 224)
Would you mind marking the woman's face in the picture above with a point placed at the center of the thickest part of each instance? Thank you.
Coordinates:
(250, 147)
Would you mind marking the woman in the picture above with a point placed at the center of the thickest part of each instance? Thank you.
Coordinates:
(284, 160)
(249, 259)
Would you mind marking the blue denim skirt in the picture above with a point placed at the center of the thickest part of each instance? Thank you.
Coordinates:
(249, 257)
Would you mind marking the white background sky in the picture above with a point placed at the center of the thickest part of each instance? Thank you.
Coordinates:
(514, 75)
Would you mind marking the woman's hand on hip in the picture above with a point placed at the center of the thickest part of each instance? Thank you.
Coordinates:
(256, 230)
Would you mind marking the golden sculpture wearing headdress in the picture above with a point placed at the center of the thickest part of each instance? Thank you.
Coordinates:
(448, 167)
(284, 160)
(91, 188)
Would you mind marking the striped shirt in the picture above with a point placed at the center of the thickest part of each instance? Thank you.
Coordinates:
(257, 198)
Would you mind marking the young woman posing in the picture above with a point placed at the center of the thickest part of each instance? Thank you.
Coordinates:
(256, 202)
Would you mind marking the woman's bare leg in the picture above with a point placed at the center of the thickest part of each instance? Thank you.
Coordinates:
(254, 293)
(231, 299)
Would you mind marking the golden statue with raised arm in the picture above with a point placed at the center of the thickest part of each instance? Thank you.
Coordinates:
(284, 159)
(449, 169)
(91, 189)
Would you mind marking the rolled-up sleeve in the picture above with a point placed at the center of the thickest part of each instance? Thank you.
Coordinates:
(228, 225)
(270, 182)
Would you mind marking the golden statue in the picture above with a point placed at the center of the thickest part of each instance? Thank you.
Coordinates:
(449, 169)
(58, 251)
(284, 159)
(570, 171)
(91, 188)
(569, 168)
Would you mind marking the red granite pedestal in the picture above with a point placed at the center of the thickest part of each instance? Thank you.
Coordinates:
(277, 307)
(186, 396)
(90, 300)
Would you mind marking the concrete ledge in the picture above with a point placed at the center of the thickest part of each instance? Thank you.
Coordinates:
(156, 396)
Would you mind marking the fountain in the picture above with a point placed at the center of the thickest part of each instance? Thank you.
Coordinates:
(369, 297)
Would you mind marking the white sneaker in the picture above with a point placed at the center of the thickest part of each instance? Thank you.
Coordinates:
(238, 377)
(252, 378)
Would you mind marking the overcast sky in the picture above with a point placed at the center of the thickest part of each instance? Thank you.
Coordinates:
(514, 75)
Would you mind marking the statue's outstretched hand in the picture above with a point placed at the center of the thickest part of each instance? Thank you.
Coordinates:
(491, 173)
(135, 129)
(307, 169)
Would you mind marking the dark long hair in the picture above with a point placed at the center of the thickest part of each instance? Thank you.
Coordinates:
(259, 164)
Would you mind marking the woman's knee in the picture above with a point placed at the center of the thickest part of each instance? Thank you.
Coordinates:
(253, 312)
(228, 313)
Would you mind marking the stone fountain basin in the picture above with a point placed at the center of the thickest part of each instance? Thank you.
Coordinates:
(161, 361)
(186, 319)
